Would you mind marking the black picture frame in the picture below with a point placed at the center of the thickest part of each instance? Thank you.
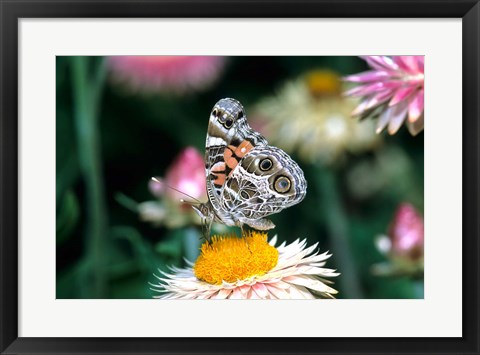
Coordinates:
(12, 11)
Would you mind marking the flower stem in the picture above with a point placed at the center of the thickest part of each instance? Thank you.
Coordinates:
(86, 97)
(337, 225)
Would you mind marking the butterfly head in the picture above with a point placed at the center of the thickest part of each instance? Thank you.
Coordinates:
(227, 112)
(204, 210)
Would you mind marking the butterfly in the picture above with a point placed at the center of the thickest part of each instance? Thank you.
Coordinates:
(247, 179)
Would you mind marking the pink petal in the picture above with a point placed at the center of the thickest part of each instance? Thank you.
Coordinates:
(244, 289)
(380, 62)
(368, 89)
(415, 109)
(399, 112)
(379, 99)
(408, 63)
(415, 127)
(252, 295)
(401, 94)
(371, 102)
(420, 62)
(383, 120)
(261, 290)
(236, 294)
(402, 62)
(372, 75)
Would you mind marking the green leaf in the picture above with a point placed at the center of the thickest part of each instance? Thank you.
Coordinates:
(68, 213)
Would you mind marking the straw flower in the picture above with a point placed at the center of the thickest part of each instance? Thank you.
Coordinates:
(393, 91)
(172, 74)
(309, 116)
(250, 268)
(403, 246)
(186, 174)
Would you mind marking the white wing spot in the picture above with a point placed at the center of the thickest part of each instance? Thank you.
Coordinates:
(212, 141)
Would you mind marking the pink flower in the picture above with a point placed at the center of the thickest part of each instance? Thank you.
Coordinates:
(177, 74)
(186, 174)
(405, 236)
(393, 90)
(407, 232)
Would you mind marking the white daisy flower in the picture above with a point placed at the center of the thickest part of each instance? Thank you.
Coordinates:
(250, 268)
(323, 129)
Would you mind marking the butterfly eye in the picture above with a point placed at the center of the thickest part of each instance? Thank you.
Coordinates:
(228, 123)
(265, 164)
(240, 115)
(282, 184)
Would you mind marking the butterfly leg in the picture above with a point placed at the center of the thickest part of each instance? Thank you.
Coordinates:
(244, 236)
(206, 229)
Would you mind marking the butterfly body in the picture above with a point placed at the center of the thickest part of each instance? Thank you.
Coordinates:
(247, 179)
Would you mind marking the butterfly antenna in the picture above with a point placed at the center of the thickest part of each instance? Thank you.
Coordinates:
(183, 193)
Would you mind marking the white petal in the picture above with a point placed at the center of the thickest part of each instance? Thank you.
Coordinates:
(236, 294)
(252, 295)
(273, 241)
(245, 289)
(280, 284)
(261, 290)
(310, 283)
(278, 292)
(222, 294)
(308, 270)
(300, 293)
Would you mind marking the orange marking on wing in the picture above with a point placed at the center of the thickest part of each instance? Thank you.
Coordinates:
(227, 153)
(231, 162)
(243, 149)
(219, 179)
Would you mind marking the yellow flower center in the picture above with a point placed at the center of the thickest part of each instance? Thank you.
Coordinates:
(323, 83)
(230, 258)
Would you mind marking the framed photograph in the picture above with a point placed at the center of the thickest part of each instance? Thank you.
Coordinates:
(239, 177)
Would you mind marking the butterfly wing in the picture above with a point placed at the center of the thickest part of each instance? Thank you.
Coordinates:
(264, 182)
(247, 179)
(229, 139)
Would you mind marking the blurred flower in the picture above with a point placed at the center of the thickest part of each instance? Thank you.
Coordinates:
(250, 268)
(177, 74)
(311, 117)
(387, 171)
(404, 243)
(393, 91)
(186, 174)
(407, 232)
